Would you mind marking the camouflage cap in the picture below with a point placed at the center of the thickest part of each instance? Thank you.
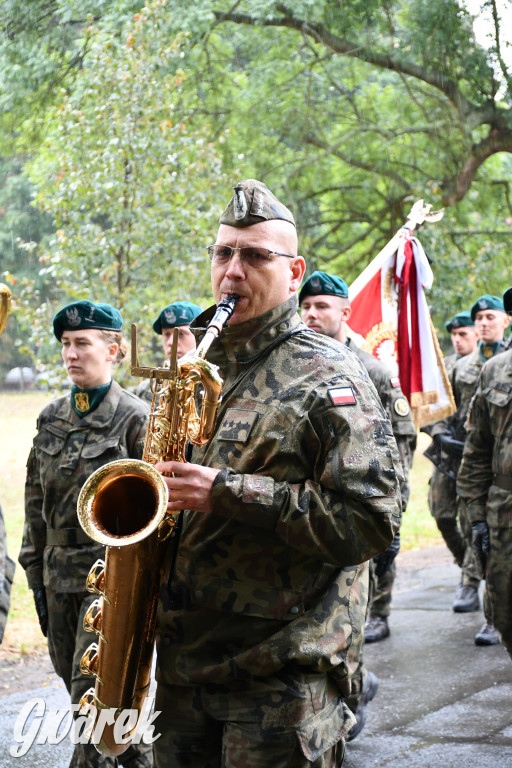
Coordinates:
(178, 313)
(85, 314)
(460, 320)
(253, 202)
(487, 302)
(320, 283)
(507, 301)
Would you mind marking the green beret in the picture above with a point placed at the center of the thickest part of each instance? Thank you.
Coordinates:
(460, 320)
(253, 202)
(178, 313)
(85, 314)
(320, 283)
(507, 301)
(486, 302)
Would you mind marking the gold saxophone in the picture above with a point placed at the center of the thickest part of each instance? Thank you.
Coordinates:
(5, 305)
(123, 505)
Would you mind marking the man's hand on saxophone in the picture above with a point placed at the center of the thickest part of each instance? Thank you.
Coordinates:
(190, 485)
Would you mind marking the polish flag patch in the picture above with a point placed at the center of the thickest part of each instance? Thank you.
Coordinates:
(342, 396)
(395, 381)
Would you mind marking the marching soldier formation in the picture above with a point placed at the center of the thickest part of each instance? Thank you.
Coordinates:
(283, 561)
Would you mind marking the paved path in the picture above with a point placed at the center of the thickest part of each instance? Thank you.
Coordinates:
(442, 703)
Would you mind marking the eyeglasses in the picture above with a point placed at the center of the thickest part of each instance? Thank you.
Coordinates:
(252, 255)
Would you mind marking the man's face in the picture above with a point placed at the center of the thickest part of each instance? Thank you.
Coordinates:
(260, 288)
(186, 340)
(464, 340)
(326, 314)
(490, 325)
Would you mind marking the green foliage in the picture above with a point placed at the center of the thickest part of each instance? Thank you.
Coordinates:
(131, 183)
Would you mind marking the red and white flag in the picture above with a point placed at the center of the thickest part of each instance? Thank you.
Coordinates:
(390, 313)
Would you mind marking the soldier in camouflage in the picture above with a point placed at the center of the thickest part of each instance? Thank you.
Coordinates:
(485, 483)
(490, 321)
(76, 434)
(442, 489)
(299, 484)
(179, 315)
(7, 567)
(326, 309)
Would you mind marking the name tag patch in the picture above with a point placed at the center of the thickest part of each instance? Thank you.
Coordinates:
(342, 396)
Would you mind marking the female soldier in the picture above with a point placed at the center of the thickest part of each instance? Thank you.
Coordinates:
(96, 423)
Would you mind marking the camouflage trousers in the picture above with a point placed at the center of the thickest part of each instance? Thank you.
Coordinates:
(380, 592)
(292, 720)
(67, 642)
(442, 501)
(499, 583)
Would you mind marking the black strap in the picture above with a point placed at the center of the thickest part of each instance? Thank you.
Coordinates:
(66, 537)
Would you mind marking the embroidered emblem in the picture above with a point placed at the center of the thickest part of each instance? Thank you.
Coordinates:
(342, 396)
(239, 204)
(402, 406)
(170, 316)
(73, 317)
(82, 402)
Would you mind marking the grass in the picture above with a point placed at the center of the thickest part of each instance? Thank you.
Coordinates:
(18, 415)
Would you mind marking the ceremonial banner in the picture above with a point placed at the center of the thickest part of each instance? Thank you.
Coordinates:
(390, 314)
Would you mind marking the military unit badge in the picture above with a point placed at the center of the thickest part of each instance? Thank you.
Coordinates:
(82, 404)
(402, 406)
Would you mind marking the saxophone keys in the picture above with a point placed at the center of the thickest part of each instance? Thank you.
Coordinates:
(96, 580)
(93, 619)
(89, 666)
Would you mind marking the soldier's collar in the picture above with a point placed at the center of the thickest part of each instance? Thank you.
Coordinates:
(488, 350)
(84, 401)
(245, 341)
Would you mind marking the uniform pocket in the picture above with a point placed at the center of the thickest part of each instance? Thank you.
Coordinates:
(325, 729)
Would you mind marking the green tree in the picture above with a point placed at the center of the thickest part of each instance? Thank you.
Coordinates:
(132, 185)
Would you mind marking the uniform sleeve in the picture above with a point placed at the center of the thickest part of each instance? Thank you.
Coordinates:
(350, 508)
(475, 475)
(136, 436)
(34, 530)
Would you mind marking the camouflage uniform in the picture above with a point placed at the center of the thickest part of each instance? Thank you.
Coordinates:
(55, 552)
(143, 390)
(6, 576)
(442, 496)
(399, 414)
(255, 636)
(464, 382)
(485, 482)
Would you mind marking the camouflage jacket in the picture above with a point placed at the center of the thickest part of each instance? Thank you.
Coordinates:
(66, 450)
(464, 380)
(397, 408)
(6, 576)
(308, 487)
(485, 477)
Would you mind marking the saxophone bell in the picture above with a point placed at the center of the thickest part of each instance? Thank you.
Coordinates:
(123, 505)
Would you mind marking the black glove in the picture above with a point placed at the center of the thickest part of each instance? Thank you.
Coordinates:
(41, 608)
(384, 560)
(481, 542)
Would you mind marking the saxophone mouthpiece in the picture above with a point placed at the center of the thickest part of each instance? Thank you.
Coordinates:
(225, 309)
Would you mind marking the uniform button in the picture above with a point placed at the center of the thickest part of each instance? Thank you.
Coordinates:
(199, 594)
(294, 609)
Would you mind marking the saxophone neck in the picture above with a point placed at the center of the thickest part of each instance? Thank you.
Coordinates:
(223, 313)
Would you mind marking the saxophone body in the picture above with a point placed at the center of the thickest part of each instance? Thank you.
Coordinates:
(123, 505)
